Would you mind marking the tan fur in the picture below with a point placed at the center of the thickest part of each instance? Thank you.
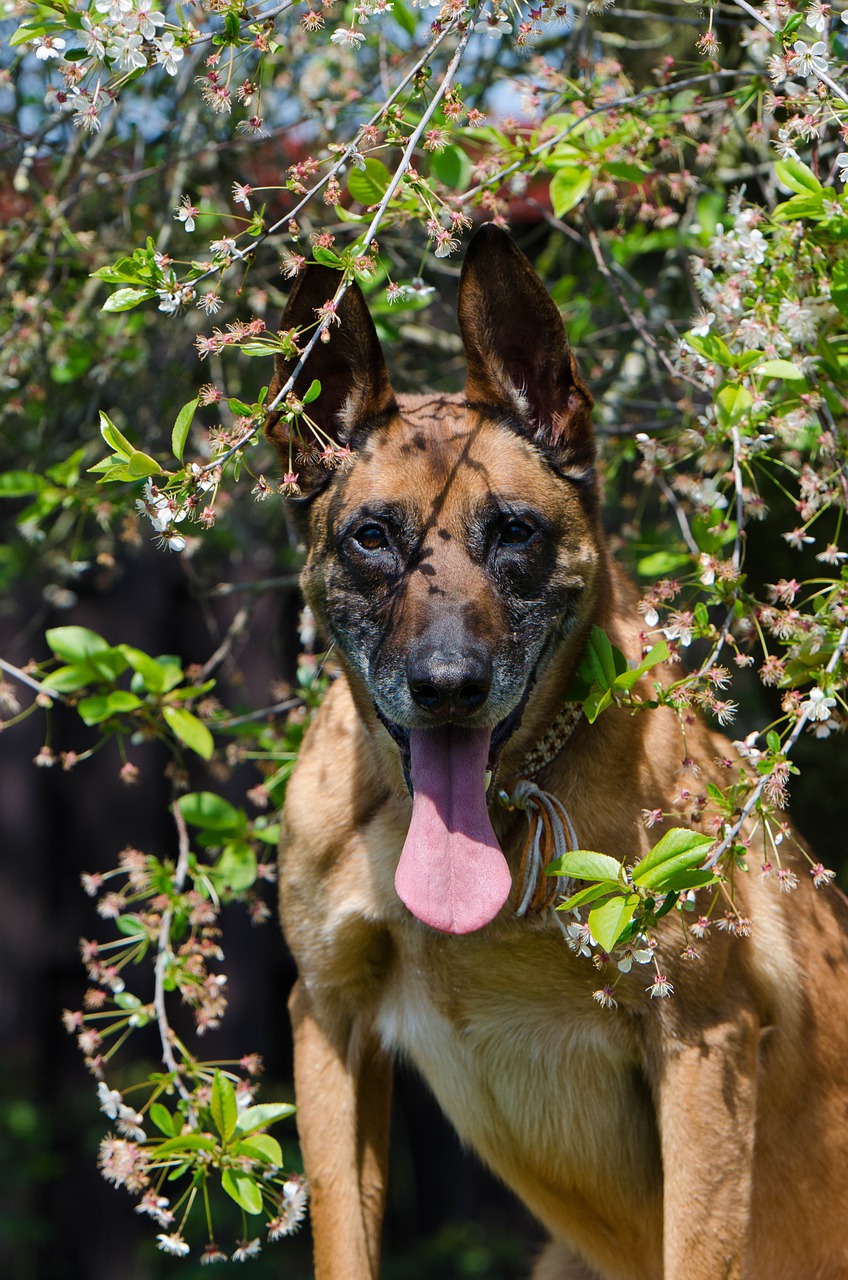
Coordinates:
(701, 1137)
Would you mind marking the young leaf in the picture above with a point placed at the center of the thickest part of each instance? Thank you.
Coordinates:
(678, 850)
(223, 1105)
(206, 809)
(258, 1117)
(73, 644)
(126, 299)
(590, 894)
(190, 731)
(110, 433)
(609, 921)
(102, 706)
(583, 864)
(797, 177)
(732, 403)
(568, 187)
(242, 1188)
(179, 435)
(369, 185)
(151, 672)
(260, 1146)
(17, 484)
(162, 1118)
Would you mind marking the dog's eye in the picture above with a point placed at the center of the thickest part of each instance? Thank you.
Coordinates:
(516, 532)
(370, 537)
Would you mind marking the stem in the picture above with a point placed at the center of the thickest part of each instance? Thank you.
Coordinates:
(17, 674)
(755, 794)
(447, 80)
(163, 953)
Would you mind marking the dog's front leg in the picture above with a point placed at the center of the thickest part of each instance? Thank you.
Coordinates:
(343, 1090)
(707, 1101)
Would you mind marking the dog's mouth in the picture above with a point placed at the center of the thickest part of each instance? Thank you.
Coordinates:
(452, 874)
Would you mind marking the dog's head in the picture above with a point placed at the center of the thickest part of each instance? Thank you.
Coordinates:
(458, 550)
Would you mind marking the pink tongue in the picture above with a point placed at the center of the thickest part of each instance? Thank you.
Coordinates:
(451, 874)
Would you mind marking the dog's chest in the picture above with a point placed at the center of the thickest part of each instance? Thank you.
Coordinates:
(533, 1075)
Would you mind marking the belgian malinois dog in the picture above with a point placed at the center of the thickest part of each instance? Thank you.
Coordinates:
(456, 564)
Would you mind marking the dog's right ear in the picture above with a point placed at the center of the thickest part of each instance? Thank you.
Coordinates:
(355, 387)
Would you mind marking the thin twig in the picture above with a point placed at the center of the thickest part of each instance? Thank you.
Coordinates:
(164, 954)
(757, 791)
(257, 586)
(17, 674)
(415, 136)
(264, 713)
(235, 630)
(821, 76)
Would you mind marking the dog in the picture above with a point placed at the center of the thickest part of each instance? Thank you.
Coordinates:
(456, 564)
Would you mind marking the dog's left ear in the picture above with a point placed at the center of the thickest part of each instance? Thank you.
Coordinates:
(355, 387)
(517, 351)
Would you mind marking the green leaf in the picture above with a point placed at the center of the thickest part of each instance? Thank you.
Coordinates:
(452, 166)
(659, 563)
(126, 299)
(327, 259)
(73, 644)
(223, 1105)
(102, 707)
(179, 435)
(711, 346)
(568, 187)
(583, 864)
(268, 835)
(130, 925)
(236, 867)
(627, 679)
(678, 850)
(163, 1119)
(680, 881)
(732, 403)
(591, 894)
(68, 679)
(141, 464)
(253, 1118)
(625, 172)
(598, 661)
(313, 391)
(839, 285)
(190, 731)
(151, 672)
(404, 17)
(186, 1142)
(262, 1147)
(113, 437)
(780, 369)
(797, 177)
(370, 184)
(242, 1188)
(206, 809)
(595, 702)
(17, 484)
(806, 206)
(609, 921)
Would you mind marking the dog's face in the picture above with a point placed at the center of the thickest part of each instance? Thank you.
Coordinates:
(446, 564)
(448, 559)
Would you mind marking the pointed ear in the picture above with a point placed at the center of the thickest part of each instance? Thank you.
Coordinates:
(355, 388)
(517, 351)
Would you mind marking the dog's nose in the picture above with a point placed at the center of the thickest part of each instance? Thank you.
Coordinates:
(447, 681)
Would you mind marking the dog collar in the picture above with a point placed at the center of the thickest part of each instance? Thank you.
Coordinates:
(553, 741)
